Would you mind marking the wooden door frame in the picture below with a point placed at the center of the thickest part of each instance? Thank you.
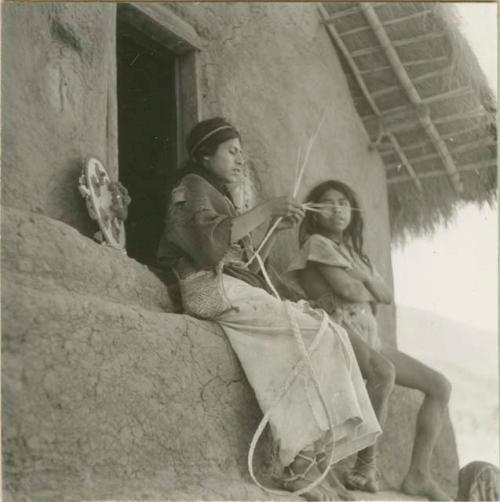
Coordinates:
(160, 24)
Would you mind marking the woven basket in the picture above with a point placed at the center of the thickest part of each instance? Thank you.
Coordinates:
(203, 294)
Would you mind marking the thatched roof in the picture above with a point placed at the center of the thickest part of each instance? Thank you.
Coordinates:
(425, 104)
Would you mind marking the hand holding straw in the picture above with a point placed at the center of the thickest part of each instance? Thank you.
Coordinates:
(321, 207)
(276, 223)
(296, 187)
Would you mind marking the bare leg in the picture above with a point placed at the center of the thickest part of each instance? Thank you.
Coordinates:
(379, 374)
(302, 472)
(416, 375)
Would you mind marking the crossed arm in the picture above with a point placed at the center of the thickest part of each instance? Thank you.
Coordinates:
(355, 285)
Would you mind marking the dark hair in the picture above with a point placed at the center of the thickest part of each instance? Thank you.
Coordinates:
(354, 231)
(204, 139)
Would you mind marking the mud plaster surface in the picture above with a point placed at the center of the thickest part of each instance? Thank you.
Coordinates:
(106, 394)
(58, 103)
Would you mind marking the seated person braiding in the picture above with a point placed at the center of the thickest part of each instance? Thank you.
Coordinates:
(204, 233)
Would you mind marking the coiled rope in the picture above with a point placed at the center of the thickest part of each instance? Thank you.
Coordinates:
(304, 361)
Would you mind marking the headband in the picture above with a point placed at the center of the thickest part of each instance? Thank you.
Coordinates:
(211, 133)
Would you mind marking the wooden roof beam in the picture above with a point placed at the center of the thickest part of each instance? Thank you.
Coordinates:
(420, 78)
(350, 61)
(419, 144)
(419, 38)
(374, 70)
(405, 161)
(409, 17)
(407, 64)
(484, 164)
(459, 132)
(330, 18)
(405, 80)
(459, 92)
(473, 145)
(390, 22)
(354, 68)
(409, 146)
(354, 31)
(415, 62)
(479, 113)
(405, 118)
(398, 43)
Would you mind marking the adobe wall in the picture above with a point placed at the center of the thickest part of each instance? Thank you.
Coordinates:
(58, 104)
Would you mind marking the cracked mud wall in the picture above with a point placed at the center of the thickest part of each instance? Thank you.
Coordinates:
(107, 395)
(99, 383)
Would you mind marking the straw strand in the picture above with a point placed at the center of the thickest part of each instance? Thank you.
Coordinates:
(296, 188)
(278, 221)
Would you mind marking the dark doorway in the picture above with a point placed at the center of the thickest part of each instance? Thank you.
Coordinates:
(147, 135)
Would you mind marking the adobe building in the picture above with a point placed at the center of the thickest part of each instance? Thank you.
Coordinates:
(109, 393)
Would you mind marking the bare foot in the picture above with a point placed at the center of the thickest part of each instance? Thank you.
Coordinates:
(425, 486)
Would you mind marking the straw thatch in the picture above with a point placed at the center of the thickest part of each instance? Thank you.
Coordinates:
(425, 104)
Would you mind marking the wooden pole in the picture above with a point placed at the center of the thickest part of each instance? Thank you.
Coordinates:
(418, 144)
(359, 78)
(409, 17)
(406, 162)
(399, 43)
(420, 78)
(483, 164)
(462, 147)
(330, 18)
(406, 82)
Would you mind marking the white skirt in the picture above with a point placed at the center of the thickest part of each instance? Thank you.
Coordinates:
(261, 334)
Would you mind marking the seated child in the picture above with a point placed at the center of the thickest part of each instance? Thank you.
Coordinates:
(337, 276)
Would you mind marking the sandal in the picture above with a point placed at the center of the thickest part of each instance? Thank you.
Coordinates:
(293, 476)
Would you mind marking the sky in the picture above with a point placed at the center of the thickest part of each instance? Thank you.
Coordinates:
(460, 261)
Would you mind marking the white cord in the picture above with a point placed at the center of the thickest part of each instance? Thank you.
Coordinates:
(305, 360)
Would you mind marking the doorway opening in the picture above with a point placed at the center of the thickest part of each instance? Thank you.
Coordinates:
(147, 134)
